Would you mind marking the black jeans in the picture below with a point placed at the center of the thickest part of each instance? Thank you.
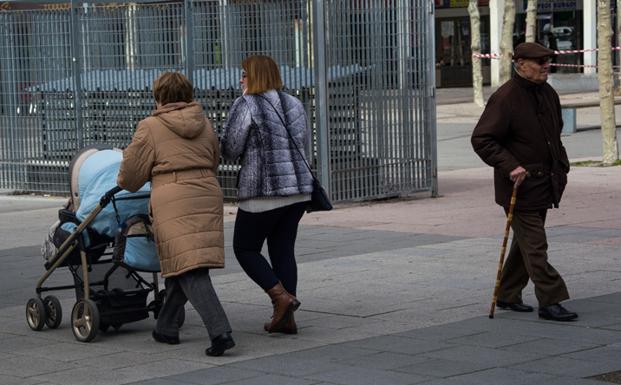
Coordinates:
(280, 228)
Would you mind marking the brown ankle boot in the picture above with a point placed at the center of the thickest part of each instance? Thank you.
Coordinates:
(284, 305)
(289, 328)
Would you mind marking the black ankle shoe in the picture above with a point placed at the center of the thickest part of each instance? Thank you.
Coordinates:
(165, 339)
(556, 312)
(220, 344)
(519, 307)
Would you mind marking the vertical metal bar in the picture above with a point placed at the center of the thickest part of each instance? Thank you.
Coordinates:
(189, 39)
(431, 98)
(77, 75)
(223, 13)
(321, 94)
(11, 99)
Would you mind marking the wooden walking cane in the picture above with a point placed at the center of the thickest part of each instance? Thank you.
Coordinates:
(503, 249)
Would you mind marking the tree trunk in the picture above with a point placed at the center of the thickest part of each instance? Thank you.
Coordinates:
(475, 47)
(506, 44)
(618, 52)
(531, 21)
(610, 150)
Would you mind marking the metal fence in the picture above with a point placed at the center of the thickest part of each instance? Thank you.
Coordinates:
(78, 73)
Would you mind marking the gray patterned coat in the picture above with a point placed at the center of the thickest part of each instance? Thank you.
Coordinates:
(270, 164)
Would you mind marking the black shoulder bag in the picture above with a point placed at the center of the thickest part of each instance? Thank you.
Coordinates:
(319, 198)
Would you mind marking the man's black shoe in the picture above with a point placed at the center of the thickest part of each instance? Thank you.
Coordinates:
(556, 312)
(220, 344)
(522, 308)
(165, 339)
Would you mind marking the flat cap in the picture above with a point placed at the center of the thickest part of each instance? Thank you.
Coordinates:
(531, 51)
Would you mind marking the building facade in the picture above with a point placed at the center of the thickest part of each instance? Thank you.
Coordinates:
(561, 25)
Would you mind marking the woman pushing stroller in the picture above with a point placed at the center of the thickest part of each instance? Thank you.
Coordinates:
(177, 149)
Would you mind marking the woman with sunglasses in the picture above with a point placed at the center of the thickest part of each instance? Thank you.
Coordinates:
(265, 128)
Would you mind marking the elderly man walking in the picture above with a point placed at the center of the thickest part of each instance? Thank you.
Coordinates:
(519, 134)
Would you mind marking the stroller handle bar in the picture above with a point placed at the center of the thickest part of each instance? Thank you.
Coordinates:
(107, 197)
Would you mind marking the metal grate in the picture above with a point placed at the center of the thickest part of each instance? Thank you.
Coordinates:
(81, 75)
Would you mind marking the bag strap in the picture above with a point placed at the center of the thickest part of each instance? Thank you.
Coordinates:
(288, 133)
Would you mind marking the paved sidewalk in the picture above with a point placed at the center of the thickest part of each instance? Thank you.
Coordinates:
(393, 292)
(510, 349)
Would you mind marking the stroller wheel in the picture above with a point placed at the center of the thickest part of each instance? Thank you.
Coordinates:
(54, 312)
(35, 313)
(85, 320)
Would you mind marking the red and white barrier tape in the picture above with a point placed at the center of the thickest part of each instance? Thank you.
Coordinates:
(574, 51)
(560, 52)
(578, 65)
(486, 55)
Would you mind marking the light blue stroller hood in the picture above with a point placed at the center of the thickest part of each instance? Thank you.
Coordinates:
(96, 176)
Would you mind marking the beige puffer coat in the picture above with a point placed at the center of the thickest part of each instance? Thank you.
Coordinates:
(176, 148)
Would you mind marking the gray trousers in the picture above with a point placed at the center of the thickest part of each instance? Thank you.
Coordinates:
(528, 258)
(195, 286)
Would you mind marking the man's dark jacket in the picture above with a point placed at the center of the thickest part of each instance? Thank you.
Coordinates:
(521, 126)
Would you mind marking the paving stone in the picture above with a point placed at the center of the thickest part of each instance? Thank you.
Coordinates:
(441, 332)
(213, 376)
(382, 360)
(492, 339)
(20, 344)
(12, 380)
(467, 327)
(68, 352)
(614, 326)
(614, 298)
(437, 367)
(330, 352)
(542, 329)
(162, 368)
(93, 376)
(117, 360)
(568, 367)
(271, 379)
(156, 381)
(598, 354)
(560, 380)
(364, 376)
(288, 366)
(22, 366)
(399, 345)
(550, 346)
(481, 355)
(557, 330)
(495, 376)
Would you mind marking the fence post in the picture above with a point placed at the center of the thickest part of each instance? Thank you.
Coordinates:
(76, 64)
(321, 95)
(431, 97)
(9, 132)
(189, 40)
(403, 43)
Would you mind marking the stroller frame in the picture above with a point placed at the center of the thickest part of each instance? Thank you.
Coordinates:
(85, 315)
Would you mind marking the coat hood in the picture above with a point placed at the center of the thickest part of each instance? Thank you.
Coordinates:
(184, 119)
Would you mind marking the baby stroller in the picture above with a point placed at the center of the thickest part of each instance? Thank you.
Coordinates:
(105, 247)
